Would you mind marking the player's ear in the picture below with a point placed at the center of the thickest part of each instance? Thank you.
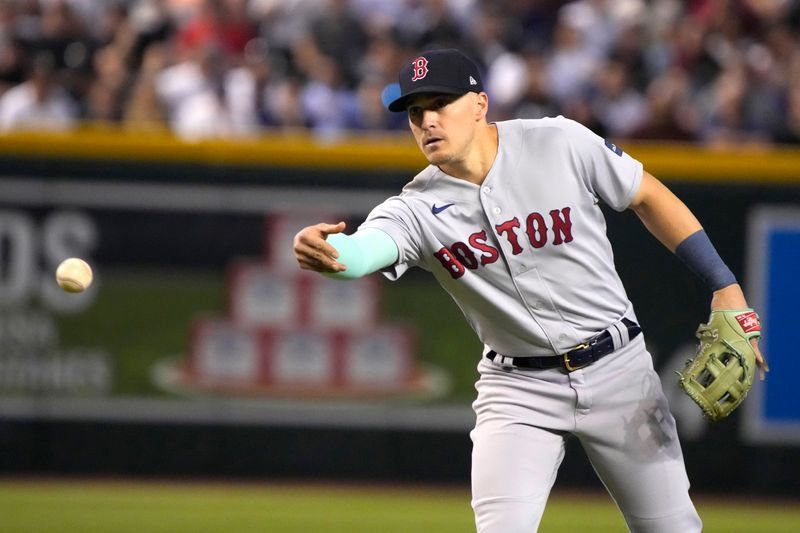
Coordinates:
(481, 105)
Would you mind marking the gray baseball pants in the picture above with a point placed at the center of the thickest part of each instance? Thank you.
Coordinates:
(617, 410)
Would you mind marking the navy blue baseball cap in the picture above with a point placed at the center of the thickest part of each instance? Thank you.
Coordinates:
(446, 71)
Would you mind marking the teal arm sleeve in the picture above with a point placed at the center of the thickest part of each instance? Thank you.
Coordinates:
(363, 252)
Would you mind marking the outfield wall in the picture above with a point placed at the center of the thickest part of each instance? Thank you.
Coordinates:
(104, 383)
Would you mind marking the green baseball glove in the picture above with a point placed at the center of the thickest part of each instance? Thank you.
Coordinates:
(722, 371)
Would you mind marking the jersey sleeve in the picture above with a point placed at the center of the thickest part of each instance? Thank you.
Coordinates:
(608, 172)
(395, 218)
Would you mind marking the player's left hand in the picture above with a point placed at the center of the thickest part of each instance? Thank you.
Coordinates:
(721, 373)
(732, 297)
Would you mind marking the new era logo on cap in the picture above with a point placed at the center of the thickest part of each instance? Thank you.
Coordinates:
(445, 71)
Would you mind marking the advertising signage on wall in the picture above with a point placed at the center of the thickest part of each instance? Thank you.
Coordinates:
(33, 358)
(287, 332)
(198, 297)
(773, 248)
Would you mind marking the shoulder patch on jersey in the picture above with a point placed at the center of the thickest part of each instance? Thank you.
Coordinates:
(613, 147)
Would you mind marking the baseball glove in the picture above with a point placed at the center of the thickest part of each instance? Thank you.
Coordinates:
(722, 371)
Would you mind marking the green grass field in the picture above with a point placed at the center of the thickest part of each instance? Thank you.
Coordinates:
(137, 507)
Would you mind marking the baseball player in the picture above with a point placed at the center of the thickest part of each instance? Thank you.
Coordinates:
(506, 217)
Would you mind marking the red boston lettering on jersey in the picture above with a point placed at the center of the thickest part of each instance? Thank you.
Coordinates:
(449, 262)
(536, 229)
(420, 65)
(507, 229)
(490, 253)
(562, 225)
(478, 252)
(465, 254)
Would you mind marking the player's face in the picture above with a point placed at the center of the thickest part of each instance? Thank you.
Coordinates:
(443, 125)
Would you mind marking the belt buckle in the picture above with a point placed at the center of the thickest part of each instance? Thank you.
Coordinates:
(506, 363)
(567, 363)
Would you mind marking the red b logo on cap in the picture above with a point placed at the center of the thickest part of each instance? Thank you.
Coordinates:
(420, 68)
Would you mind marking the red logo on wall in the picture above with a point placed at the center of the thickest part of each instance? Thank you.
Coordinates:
(420, 68)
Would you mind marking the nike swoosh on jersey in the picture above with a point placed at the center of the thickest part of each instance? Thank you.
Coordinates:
(436, 210)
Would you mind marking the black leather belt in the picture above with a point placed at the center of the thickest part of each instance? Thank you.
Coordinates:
(581, 356)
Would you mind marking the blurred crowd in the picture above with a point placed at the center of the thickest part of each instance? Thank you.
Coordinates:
(714, 71)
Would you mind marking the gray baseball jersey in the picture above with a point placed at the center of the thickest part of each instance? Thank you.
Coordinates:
(525, 255)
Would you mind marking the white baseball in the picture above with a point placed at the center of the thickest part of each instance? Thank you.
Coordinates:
(74, 275)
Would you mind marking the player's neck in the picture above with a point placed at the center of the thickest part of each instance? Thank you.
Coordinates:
(479, 158)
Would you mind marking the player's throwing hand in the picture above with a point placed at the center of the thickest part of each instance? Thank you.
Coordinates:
(313, 251)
